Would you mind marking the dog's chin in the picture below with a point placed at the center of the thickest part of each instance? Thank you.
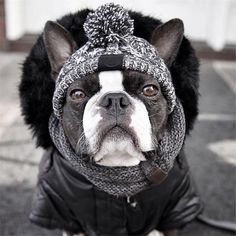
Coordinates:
(118, 148)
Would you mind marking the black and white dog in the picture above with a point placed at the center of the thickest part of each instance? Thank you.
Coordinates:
(120, 114)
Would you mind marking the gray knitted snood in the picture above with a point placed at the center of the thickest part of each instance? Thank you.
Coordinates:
(109, 30)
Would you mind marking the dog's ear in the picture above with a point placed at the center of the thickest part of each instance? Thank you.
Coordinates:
(167, 39)
(59, 45)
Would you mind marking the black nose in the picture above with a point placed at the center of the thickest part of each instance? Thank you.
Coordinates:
(115, 102)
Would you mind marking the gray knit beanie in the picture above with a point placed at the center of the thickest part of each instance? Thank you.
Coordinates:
(110, 32)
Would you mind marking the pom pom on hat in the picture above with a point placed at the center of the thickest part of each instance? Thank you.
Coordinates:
(107, 24)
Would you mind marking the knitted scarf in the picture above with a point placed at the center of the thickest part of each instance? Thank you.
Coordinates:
(125, 181)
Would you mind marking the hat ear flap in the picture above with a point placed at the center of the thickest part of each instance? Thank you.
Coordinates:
(59, 46)
(167, 39)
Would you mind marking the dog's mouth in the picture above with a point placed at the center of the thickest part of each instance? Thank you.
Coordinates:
(116, 133)
(118, 147)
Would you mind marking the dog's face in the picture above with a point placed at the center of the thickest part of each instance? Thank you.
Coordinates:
(113, 117)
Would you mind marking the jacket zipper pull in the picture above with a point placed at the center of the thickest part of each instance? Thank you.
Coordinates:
(132, 203)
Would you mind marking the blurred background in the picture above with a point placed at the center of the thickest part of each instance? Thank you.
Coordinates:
(211, 148)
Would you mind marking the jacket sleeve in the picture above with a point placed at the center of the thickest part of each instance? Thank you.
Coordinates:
(48, 208)
(183, 206)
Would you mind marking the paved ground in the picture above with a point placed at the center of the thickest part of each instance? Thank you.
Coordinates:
(211, 151)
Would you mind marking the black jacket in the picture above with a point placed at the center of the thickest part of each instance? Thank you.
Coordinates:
(64, 199)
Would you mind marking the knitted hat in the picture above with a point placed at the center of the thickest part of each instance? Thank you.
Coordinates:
(112, 46)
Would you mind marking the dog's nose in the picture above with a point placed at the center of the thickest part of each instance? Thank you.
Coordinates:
(115, 102)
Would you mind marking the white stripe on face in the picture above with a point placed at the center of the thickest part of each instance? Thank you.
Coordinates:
(111, 81)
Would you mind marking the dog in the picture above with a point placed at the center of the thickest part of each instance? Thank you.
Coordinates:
(113, 118)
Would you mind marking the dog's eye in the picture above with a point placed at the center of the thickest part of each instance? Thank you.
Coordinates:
(150, 90)
(77, 95)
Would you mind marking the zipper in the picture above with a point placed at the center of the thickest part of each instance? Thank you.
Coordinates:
(131, 202)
